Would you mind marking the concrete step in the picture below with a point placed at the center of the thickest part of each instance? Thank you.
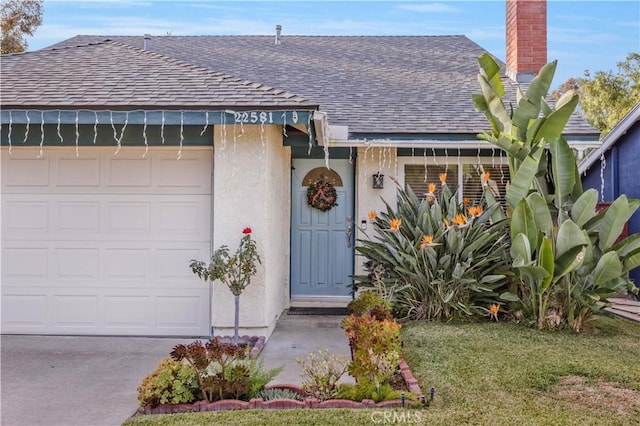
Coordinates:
(319, 321)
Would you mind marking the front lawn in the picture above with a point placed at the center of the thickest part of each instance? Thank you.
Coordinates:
(492, 373)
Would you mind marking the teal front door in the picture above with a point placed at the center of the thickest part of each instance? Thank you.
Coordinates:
(321, 241)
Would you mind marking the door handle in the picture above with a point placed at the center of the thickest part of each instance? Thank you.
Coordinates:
(349, 231)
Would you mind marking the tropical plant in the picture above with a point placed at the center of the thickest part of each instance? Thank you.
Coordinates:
(437, 258)
(561, 248)
(235, 271)
(321, 372)
(171, 383)
(224, 370)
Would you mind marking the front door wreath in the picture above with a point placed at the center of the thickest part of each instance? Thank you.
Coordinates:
(322, 195)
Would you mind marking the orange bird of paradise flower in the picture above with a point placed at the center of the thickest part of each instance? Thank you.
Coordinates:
(493, 311)
(460, 219)
(372, 215)
(466, 201)
(485, 177)
(426, 240)
(432, 188)
(476, 210)
(443, 177)
(395, 224)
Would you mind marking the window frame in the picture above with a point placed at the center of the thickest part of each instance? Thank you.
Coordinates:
(452, 161)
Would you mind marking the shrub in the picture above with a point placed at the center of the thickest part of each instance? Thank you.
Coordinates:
(321, 372)
(171, 383)
(224, 370)
(275, 393)
(365, 302)
(437, 258)
(375, 346)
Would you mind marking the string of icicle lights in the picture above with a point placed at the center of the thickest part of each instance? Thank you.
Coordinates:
(262, 118)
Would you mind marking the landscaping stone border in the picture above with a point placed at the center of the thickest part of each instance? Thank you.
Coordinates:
(287, 404)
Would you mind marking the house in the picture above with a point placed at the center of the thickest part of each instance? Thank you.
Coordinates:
(125, 157)
(612, 169)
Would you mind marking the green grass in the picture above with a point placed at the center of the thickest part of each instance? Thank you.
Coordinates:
(493, 373)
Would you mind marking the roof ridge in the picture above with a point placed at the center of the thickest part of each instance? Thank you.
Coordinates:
(209, 72)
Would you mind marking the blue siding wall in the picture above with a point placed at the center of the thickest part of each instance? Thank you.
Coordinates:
(621, 176)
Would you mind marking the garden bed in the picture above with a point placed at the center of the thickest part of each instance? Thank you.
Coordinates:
(283, 404)
(256, 343)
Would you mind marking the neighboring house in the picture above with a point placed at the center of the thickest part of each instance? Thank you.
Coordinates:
(125, 157)
(613, 169)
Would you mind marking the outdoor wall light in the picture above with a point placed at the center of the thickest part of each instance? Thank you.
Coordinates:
(378, 180)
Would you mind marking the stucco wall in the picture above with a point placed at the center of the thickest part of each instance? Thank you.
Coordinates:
(369, 161)
(251, 189)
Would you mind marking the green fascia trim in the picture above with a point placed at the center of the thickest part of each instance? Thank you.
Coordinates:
(317, 152)
(156, 117)
(103, 135)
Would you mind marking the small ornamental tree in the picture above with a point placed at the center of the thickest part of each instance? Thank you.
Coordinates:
(235, 271)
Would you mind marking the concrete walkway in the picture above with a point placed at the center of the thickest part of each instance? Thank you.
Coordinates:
(296, 336)
(625, 307)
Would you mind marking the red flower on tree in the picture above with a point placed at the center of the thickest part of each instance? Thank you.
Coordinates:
(246, 230)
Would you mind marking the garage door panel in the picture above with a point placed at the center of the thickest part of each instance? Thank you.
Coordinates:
(25, 263)
(126, 217)
(25, 217)
(75, 263)
(133, 172)
(128, 264)
(75, 310)
(97, 170)
(128, 312)
(91, 264)
(24, 170)
(101, 244)
(23, 310)
(73, 172)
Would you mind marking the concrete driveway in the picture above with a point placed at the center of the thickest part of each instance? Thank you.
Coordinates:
(71, 381)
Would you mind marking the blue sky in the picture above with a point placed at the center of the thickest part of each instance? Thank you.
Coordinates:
(582, 35)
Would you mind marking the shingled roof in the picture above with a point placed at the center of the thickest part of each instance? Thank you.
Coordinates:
(113, 74)
(393, 85)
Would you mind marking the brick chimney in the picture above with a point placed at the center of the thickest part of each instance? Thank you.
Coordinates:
(526, 38)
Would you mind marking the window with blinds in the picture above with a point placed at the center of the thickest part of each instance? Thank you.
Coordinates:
(469, 176)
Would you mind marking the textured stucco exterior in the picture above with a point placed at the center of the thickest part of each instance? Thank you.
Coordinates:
(251, 187)
(370, 161)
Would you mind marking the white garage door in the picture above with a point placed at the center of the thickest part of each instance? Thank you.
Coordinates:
(100, 244)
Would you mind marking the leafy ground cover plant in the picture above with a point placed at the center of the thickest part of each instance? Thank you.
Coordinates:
(276, 393)
(224, 370)
(563, 251)
(321, 372)
(436, 257)
(171, 383)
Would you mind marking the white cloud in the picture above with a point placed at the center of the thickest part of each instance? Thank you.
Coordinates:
(429, 8)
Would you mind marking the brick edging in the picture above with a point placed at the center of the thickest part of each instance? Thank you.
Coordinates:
(287, 404)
